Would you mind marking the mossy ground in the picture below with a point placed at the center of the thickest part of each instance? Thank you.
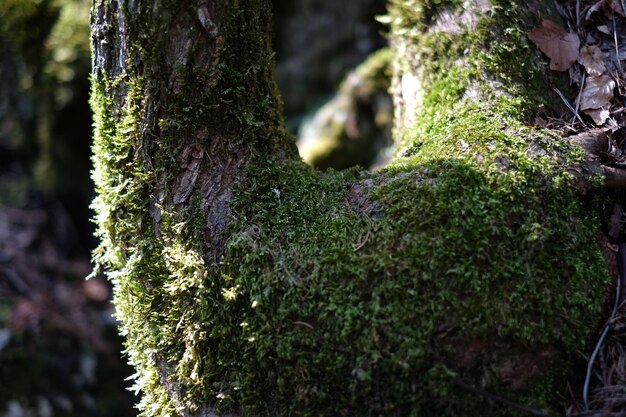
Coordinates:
(347, 293)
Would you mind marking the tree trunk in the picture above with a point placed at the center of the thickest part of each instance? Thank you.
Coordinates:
(249, 284)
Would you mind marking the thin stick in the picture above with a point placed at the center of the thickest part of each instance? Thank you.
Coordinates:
(569, 106)
(619, 63)
(303, 324)
(592, 359)
(367, 237)
(577, 14)
(580, 94)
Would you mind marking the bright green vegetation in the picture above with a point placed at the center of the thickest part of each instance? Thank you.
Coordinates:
(358, 294)
(486, 62)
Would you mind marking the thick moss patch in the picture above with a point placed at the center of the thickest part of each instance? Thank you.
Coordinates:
(369, 299)
(344, 293)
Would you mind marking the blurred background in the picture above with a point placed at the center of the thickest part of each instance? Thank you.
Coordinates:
(60, 354)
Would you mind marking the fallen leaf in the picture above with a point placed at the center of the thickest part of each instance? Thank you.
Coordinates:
(592, 59)
(599, 116)
(607, 7)
(558, 44)
(597, 93)
(616, 5)
(600, 6)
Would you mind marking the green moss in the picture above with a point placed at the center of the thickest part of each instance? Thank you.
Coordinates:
(485, 243)
(375, 70)
(505, 52)
(347, 293)
(412, 15)
(122, 186)
(162, 286)
(468, 237)
(492, 58)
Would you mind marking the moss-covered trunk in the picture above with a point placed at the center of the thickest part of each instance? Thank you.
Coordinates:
(250, 284)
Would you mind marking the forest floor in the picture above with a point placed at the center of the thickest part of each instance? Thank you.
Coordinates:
(592, 49)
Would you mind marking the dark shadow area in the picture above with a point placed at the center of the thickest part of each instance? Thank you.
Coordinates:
(317, 43)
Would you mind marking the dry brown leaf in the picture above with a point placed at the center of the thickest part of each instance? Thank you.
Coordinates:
(597, 93)
(600, 6)
(596, 97)
(558, 44)
(616, 5)
(599, 116)
(592, 59)
(607, 7)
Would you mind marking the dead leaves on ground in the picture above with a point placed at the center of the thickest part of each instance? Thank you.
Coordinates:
(596, 97)
(592, 59)
(596, 67)
(606, 7)
(598, 72)
(558, 44)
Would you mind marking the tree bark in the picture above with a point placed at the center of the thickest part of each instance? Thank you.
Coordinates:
(248, 284)
(201, 85)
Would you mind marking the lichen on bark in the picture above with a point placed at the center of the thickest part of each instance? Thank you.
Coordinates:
(251, 284)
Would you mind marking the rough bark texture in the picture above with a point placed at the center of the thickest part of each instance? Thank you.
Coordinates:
(250, 284)
(180, 82)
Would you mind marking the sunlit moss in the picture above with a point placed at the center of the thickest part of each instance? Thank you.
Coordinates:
(351, 293)
(468, 239)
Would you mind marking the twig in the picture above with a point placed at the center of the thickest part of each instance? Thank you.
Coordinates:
(603, 372)
(367, 237)
(619, 63)
(600, 342)
(569, 106)
(580, 94)
(577, 15)
(520, 407)
(303, 324)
